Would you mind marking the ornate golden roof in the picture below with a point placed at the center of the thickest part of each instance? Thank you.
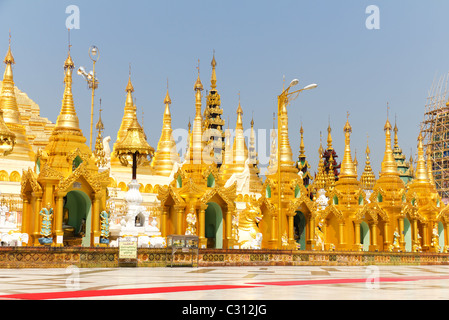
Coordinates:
(133, 142)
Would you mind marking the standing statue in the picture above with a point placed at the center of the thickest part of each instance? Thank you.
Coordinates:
(47, 217)
(104, 226)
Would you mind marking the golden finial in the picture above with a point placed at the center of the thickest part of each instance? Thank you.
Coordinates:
(198, 84)
(9, 59)
(213, 79)
(421, 171)
(99, 126)
(167, 99)
(347, 166)
(239, 124)
(321, 150)
(301, 145)
(389, 165)
(396, 143)
(329, 137)
(347, 128)
(129, 86)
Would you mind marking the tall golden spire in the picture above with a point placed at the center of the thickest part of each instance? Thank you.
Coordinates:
(421, 170)
(213, 79)
(197, 131)
(285, 151)
(166, 153)
(389, 166)
(239, 149)
(368, 178)
(129, 111)
(11, 114)
(347, 166)
(301, 145)
(329, 138)
(67, 119)
(252, 153)
(67, 137)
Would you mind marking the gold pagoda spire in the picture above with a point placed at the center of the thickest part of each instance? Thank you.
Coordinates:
(301, 145)
(252, 153)
(67, 137)
(197, 130)
(166, 153)
(213, 79)
(347, 166)
(67, 119)
(129, 111)
(11, 115)
(421, 170)
(368, 178)
(329, 138)
(388, 166)
(239, 149)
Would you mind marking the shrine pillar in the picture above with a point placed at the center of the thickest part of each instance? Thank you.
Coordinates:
(95, 233)
(36, 233)
(58, 217)
(201, 226)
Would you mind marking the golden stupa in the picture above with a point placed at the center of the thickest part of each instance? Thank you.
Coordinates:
(65, 178)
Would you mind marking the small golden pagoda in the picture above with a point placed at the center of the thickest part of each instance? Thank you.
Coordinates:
(345, 198)
(384, 210)
(424, 209)
(285, 196)
(65, 179)
(196, 201)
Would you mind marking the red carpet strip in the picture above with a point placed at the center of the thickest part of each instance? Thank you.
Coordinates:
(153, 290)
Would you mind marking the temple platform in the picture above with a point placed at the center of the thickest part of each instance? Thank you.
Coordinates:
(102, 257)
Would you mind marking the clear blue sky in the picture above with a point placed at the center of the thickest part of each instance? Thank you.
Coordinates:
(256, 43)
